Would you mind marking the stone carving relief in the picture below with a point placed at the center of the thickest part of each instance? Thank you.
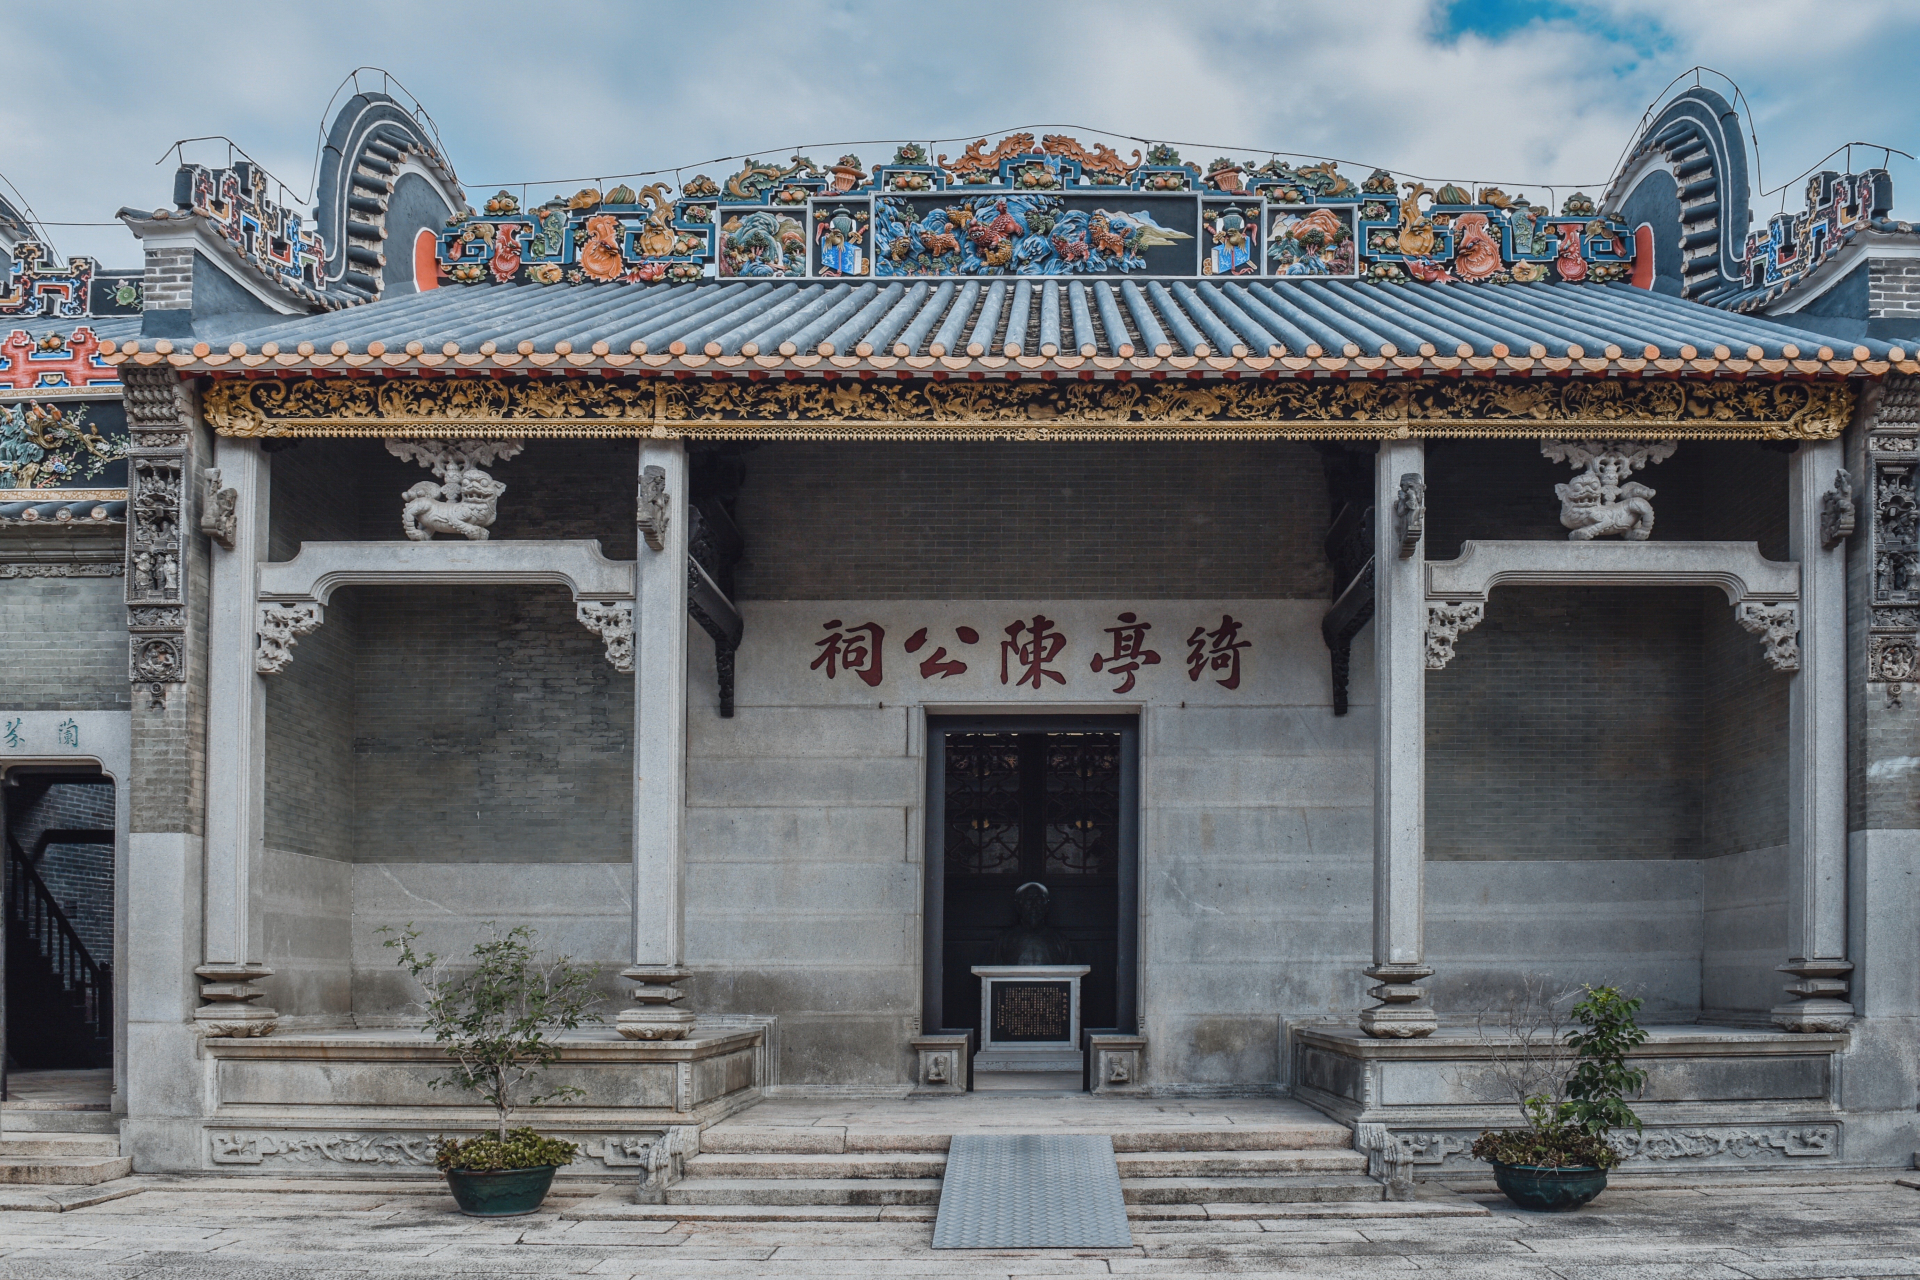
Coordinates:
(1600, 500)
(613, 623)
(655, 507)
(1392, 1152)
(277, 629)
(1893, 539)
(217, 516)
(1410, 514)
(1836, 512)
(1445, 623)
(463, 500)
(62, 569)
(659, 1154)
(1778, 626)
(1792, 1142)
(156, 546)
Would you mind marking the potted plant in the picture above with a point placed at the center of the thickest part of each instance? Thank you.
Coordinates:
(1572, 1085)
(497, 1021)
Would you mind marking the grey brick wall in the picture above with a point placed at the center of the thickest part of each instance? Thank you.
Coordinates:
(1744, 731)
(1568, 726)
(488, 727)
(63, 644)
(1065, 521)
(309, 747)
(1893, 289)
(169, 279)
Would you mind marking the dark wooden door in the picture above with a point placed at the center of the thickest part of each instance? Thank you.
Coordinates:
(1047, 804)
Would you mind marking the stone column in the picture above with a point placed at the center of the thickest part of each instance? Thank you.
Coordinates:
(236, 738)
(1400, 754)
(1817, 751)
(659, 747)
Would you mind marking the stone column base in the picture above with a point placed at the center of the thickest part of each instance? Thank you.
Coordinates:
(656, 1018)
(229, 991)
(1819, 998)
(1397, 1023)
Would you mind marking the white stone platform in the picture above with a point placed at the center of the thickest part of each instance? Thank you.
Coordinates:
(1729, 1098)
(359, 1103)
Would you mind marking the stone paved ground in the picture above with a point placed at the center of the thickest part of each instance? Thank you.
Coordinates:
(214, 1232)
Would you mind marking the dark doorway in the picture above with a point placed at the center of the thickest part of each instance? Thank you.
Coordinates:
(1014, 800)
(59, 897)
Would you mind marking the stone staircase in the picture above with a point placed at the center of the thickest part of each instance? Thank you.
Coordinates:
(62, 1159)
(746, 1171)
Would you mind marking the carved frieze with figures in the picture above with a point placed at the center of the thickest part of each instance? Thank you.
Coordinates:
(837, 408)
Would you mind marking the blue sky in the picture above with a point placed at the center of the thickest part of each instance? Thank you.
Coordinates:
(1521, 95)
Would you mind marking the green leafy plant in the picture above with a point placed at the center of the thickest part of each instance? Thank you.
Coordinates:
(522, 1149)
(498, 1019)
(1572, 1083)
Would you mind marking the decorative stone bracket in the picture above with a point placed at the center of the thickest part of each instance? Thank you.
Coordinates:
(1765, 593)
(1445, 622)
(654, 506)
(613, 623)
(293, 593)
(217, 514)
(1410, 514)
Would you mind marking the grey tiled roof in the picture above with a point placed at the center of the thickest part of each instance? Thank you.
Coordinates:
(1069, 324)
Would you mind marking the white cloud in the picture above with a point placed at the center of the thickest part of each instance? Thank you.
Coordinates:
(592, 89)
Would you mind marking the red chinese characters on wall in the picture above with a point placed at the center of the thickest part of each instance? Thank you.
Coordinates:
(1029, 648)
(938, 663)
(1217, 650)
(1130, 652)
(1034, 652)
(855, 650)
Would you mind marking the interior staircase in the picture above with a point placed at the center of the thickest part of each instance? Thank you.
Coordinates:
(54, 986)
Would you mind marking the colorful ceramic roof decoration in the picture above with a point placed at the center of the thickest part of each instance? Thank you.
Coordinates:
(1021, 208)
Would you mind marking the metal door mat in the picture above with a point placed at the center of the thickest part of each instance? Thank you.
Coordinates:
(1031, 1191)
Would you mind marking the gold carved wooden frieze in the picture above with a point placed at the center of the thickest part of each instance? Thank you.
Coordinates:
(1031, 409)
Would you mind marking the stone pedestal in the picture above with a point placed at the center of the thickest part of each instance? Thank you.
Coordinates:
(943, 1063)
(1118, 1064)
(1022, 1007)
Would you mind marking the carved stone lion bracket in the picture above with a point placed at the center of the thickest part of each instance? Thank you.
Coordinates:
(466, 498)
(1601, 500)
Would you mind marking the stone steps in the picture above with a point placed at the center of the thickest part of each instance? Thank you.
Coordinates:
(65, 1171)
(731, 1139)
(804, 1191)
(1279, 1189)
(76, 1144)
(1175, 1164)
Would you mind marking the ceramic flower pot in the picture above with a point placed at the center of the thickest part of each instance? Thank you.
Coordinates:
(500, 1193)
(1549, 1190)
